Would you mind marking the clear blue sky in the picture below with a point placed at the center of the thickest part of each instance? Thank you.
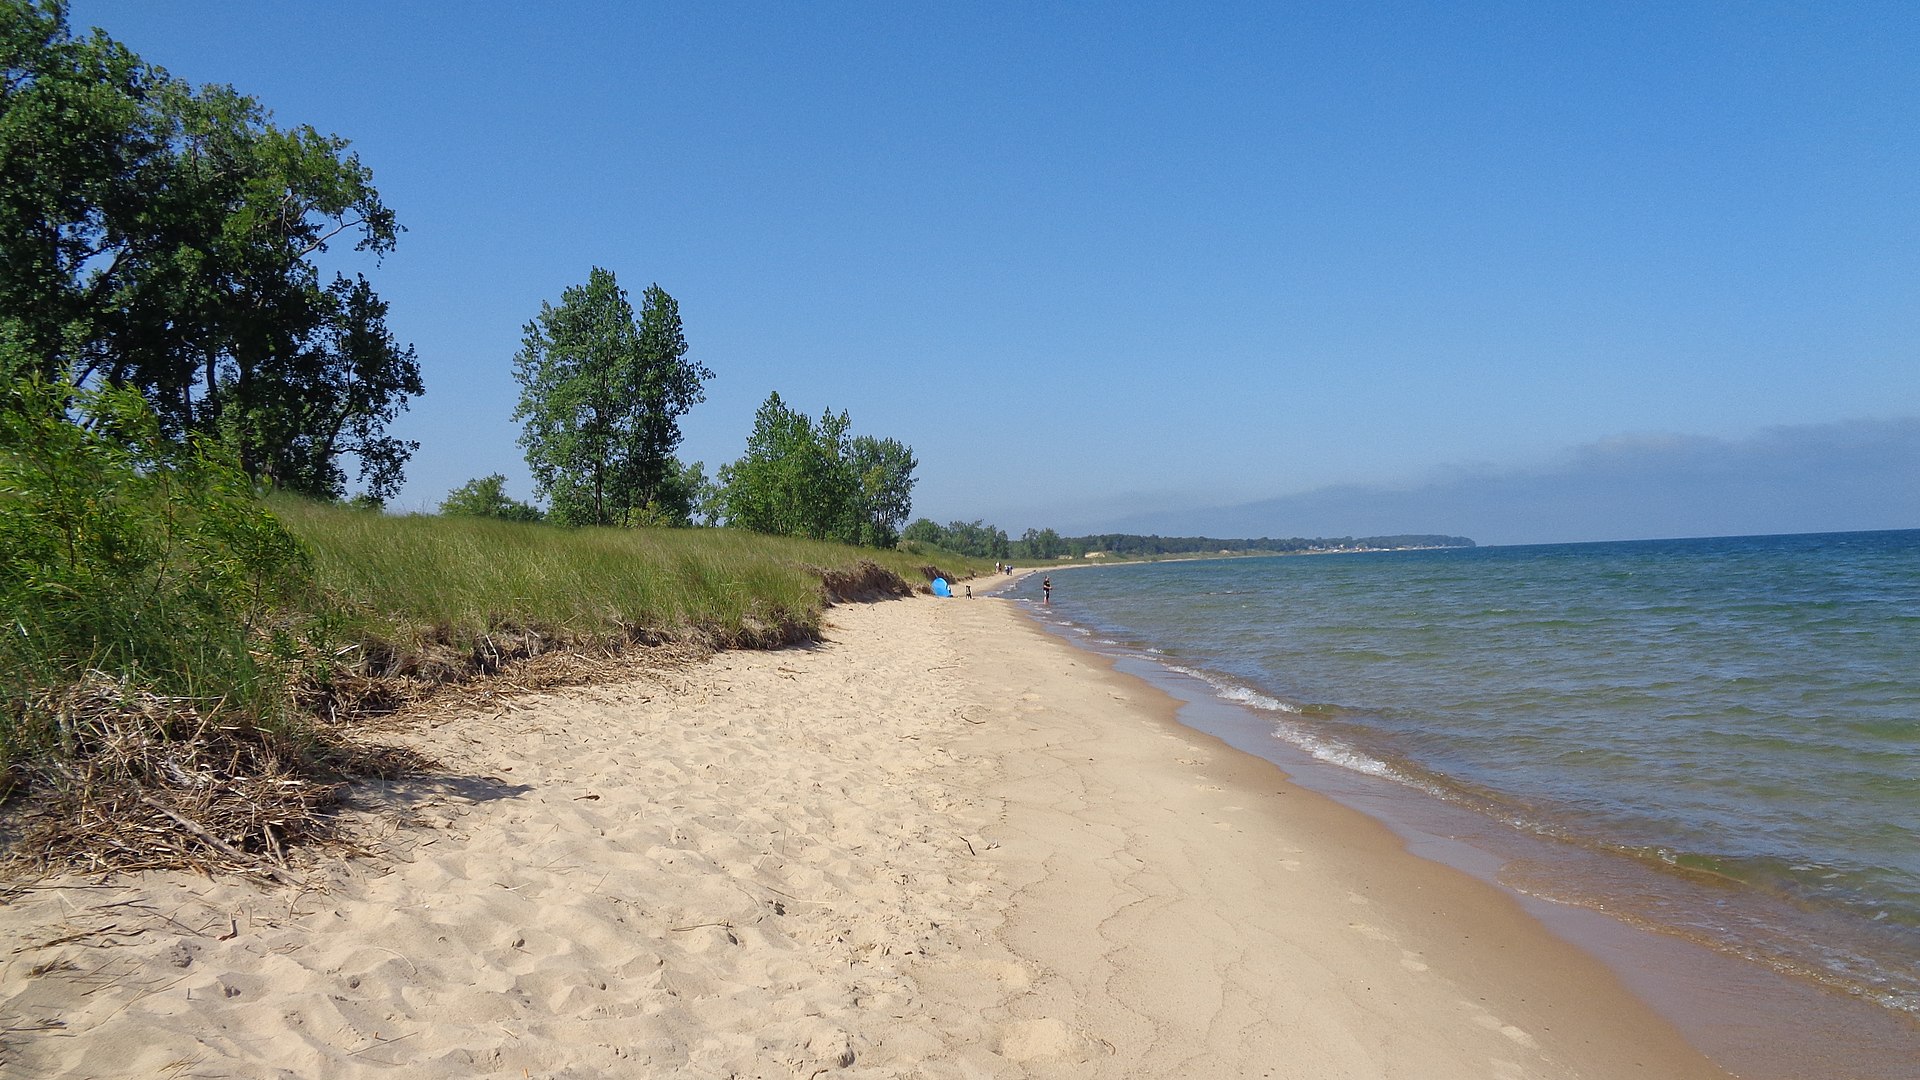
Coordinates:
(1125, 265)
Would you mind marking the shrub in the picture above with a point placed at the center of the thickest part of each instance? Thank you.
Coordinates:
(127, 553)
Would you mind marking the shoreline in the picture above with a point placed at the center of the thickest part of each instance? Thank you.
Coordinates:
(1418, 968)
(940, 843)
(1745, 1015)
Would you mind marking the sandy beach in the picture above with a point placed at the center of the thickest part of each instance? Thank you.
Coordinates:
(940, 843)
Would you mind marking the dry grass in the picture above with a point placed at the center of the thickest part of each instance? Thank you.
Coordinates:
(148, 782)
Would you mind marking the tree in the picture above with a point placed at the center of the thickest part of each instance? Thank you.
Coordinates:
(790, 481)
(701, 495)
(1040, 544)
(885, 469)
(487, 497)
(925, 531)
(601, 395)
(977, 538)
(805, 478)
(160, 237)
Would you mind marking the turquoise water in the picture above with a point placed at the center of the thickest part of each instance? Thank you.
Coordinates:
(1722, 736)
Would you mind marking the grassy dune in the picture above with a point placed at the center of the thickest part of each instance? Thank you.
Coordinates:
(134, 736)
(457, 579)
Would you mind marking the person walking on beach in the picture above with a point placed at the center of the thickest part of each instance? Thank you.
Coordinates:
(1046, 590)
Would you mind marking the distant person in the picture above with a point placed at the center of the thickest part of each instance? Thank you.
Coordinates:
(969, 592)
(1046, 590)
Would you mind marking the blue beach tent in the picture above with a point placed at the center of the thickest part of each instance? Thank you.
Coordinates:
(940, 587)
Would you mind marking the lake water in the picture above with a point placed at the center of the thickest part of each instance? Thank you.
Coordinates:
(1715, 738)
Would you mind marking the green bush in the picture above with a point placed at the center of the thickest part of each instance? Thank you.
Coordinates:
(131, 554)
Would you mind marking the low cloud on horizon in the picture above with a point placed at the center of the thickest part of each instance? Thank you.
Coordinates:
(1836, 477)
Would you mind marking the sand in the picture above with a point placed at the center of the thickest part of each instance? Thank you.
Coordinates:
(940, 844)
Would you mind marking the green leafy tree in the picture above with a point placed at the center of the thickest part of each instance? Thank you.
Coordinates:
(791, 481)
(1040, 544)
(801, 477)
(487, 497)
(700, 495)
(924, 531)
(601, 396)
(885, 470)
(161, 237)
(977, 538)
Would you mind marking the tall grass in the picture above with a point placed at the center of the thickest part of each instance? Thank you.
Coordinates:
(455, 580)
(176, 658)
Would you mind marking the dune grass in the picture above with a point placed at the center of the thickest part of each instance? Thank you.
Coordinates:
(186, 672)
(201, 704)
(455, 580)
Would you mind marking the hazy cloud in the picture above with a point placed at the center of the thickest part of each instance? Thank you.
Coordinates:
(1860, 474)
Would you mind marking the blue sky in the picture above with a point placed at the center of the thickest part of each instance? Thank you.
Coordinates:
(1307, 269)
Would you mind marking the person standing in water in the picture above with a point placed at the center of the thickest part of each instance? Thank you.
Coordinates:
(1046, 590)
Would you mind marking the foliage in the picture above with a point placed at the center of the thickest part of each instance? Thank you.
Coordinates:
(1132, 544)
(885, 471)
(702, 495)
(800, 477)
(129, 553)
(1040, 544)
(601, 395)
(160, 236)
(979, 539)
(409, 578)
(487, 497)
(974, 538)
(923, 531)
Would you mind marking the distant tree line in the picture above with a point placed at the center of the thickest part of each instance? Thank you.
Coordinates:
(976, 538)
(979, 539)
(1133, 544)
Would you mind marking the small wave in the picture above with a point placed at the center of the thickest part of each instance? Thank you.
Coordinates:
(1342, 755)
(1234, 692)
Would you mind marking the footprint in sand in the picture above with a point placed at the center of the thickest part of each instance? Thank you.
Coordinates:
(1411, 960)
(1493, 1023)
